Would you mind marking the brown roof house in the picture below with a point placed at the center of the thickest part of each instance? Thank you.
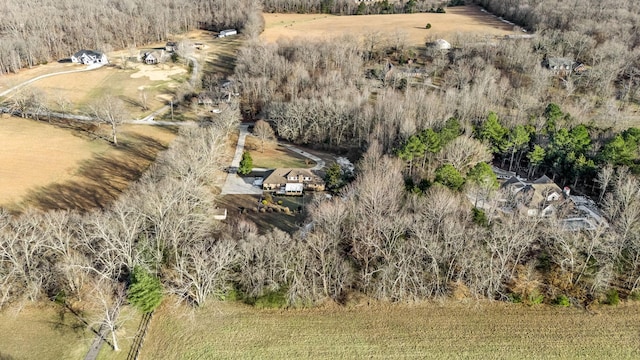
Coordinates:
(541, 197)
(292, 181)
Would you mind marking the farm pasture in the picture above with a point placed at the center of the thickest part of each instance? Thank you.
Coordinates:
(448, 330)
(458, 20)
(50, 167)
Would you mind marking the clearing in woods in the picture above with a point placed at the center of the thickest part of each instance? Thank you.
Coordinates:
(478, 330)
(50, 167)
(462, 19)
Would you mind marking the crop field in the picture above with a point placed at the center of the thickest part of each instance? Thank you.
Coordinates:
(474, 330)
(59, 168)
(458, 20)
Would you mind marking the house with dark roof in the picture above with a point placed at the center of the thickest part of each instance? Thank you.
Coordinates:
(541, 197)
(563, 66)
(292, 181)
(89, 57)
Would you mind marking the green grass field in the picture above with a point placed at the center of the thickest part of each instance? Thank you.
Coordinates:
(476, 330)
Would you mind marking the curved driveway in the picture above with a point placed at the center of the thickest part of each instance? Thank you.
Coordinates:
(88, 68)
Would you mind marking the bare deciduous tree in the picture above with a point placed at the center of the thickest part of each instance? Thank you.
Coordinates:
(111, 111)
(263, 131)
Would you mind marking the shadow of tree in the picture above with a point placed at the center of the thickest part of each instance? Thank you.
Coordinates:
(101, 179)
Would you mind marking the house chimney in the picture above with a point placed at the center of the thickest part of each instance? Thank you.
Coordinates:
(566, 191)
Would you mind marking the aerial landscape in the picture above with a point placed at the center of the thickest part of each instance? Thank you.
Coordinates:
(304, 179)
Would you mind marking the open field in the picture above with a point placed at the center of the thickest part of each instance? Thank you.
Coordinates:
(464, 19)
(47, 331)
(54, 168)
(42, 332)
(451, 331)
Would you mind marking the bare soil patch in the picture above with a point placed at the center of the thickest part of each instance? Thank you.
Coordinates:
(50, 167)
(475, 330)
(463, 19)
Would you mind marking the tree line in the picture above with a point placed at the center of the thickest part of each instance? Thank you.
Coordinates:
(346, 7)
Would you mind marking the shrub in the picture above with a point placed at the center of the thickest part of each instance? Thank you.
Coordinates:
(635, 295)
(479, 217)
(264, 202)
(270, 300)
(145, 291)
(612, 297)
(428, 26)
(279, 202)
(536, 298)
(246, 164)
(515, 298)
(562, 300)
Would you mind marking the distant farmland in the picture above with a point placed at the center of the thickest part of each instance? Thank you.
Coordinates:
(457, 20)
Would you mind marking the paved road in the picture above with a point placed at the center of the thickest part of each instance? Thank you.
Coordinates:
(319, 162)
(88, 68)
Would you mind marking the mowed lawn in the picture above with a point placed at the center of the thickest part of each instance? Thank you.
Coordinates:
(457, 20)
(50, 167)
(476, 330)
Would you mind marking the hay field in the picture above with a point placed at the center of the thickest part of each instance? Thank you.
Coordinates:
(458, 20)
(476, 330)
(50, 167)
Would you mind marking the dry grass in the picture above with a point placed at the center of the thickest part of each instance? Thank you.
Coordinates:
(49, 167)
(274, 155)
(450, 331)
(40, 332)
(465, 19)
(47, 331)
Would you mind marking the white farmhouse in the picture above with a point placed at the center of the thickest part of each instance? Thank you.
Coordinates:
(89, 57)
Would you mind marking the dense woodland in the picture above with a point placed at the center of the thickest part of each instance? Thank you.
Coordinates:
(403, 230)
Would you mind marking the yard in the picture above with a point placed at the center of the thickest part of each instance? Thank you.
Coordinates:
(247, 206)
(473, 330)
(55, 167)
(458, 20)
(274, 155)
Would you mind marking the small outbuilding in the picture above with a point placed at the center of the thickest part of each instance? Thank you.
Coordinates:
(228, 32)
(441, 44)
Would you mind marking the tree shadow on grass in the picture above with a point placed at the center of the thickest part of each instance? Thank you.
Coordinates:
(101, 179)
